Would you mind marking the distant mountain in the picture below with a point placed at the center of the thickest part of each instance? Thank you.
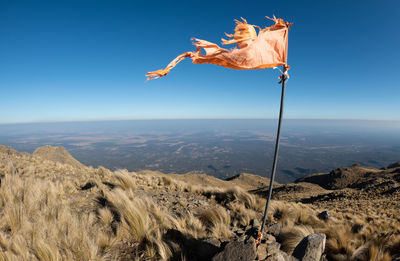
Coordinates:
(56, 154)
(354, 176)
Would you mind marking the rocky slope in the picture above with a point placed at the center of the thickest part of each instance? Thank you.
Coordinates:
(56, 154)
(52, 207)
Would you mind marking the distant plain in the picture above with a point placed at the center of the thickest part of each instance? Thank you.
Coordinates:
(221, 148)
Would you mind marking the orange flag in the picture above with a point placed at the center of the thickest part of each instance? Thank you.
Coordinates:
(266, 49)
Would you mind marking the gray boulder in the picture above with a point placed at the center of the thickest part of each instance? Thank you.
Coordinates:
(255, 223)
(273, 248)
(268, 239)
(213, 241)
(281, 256)
(310, 248)
(274, 229)
(261, 251)
(276, 257)
(237, 251)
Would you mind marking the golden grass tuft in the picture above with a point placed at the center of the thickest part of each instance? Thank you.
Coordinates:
(135, 218)
(217, 221)
(141, 222)
(43, 251)
(240, 215)
(377, 253)
(124, 180)
(340, 241)
(167, 181)
(190, 225)
(106, 216)
(291, 236)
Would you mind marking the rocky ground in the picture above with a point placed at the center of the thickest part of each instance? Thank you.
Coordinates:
(49, 202)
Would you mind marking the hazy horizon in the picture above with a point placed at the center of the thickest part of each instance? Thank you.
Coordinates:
(221, 148)
(210, 118)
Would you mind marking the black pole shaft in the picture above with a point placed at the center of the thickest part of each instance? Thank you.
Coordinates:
(278, 135)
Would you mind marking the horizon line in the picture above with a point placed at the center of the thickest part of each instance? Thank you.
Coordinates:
(175, 119)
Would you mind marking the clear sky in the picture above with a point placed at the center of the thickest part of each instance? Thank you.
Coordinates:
(86, 60)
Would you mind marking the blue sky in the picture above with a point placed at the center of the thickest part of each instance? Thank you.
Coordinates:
(86, 60)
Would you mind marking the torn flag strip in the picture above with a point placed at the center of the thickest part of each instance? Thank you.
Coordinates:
(266, 50)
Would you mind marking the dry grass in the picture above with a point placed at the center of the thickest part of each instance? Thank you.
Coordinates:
(46, 215)
(377, 240)
(124, 180)
(240, 215)
(190, 225)
(236, 194)
(217, 221)
(291, 236)
(36, 221)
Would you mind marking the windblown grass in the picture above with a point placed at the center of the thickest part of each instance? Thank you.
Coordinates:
(46, 214)
(217, 222)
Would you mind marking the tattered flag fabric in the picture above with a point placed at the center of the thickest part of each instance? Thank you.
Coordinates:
(266, 49)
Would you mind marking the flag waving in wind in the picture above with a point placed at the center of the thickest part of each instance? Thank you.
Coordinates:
(266, 49)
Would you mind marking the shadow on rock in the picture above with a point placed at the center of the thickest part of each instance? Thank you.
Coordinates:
(190, 248)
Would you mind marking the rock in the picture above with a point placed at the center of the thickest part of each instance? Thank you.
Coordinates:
(268, 239)
(324, 215)
(213, 241)
(288, 257)
(356, 228)
(199, 202)
(273, 248)
(261, 252)
(276, 257)
(273, 229)
(237, 250)
(239, 232)
(251, 240)
(255, 223)
(310, 248)
(191, 248)
(242, 238)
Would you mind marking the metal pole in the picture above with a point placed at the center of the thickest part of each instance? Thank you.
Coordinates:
(278, 135)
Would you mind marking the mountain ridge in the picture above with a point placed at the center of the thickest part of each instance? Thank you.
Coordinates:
(122, 215)
(56, 154)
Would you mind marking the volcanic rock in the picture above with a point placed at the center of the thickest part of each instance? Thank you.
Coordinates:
(237, 251)
(310, 248)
